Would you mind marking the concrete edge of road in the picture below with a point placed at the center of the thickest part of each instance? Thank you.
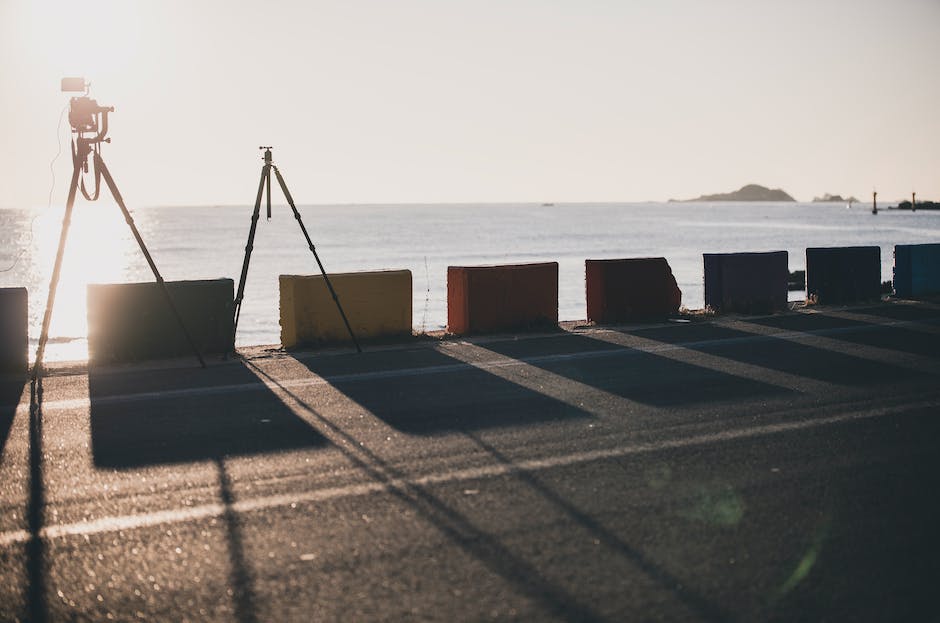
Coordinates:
(435, 338)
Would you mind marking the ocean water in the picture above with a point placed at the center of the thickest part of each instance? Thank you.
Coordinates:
(209, 242)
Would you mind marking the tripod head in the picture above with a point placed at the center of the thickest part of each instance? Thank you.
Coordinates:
(267, 153)
(88, 120)
(89, 123)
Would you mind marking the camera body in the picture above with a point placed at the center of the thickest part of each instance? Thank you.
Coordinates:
(83, 114)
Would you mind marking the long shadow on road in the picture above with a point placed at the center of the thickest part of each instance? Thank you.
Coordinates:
(897, 338)
(633, 374)
(11, 390)
(445, 395)
(776, 353)
(164, 418)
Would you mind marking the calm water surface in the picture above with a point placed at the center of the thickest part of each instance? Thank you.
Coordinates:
(208, 242)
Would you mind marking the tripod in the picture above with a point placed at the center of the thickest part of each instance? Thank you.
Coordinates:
(83, 148)
(264, 188)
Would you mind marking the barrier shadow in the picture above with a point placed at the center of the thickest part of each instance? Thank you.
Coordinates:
(11, 390)
(633, 374)
(450, 396)
(175, 416)
(902, 312)
(862, 333)
(778, 354)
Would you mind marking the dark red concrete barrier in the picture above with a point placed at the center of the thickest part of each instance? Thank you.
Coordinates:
(843, 274)
(630, 289)
(748, 283)
(916, 269)
(488, 299)
(132, 321)
(14, 332)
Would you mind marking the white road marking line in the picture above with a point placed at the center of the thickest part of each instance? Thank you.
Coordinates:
(290, 500)
(764, 334)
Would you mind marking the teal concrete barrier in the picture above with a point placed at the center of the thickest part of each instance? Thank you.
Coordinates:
(916, 270)
(14, 332)
(843, 274)
(748, 283)
(132, 321)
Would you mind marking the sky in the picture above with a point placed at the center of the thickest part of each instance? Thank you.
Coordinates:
(419, 101)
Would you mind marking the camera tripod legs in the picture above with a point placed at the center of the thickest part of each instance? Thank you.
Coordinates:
(265, 185)
(53, 283)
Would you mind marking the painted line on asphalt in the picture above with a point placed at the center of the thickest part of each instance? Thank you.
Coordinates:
(292, 500)
(495, 364)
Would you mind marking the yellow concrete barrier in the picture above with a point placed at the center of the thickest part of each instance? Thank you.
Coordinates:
(377, 304)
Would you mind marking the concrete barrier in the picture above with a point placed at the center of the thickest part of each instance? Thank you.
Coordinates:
(132, 321)
(630, 289)
(14, 332)
(843, 274)
(749, 283)
(377, 304)
(916, 269)
(489, 299)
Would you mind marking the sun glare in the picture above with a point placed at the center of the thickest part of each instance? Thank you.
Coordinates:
(99, 249)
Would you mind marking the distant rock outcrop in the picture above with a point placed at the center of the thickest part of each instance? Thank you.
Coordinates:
(921, 205)
(751, 192)
(827, 198)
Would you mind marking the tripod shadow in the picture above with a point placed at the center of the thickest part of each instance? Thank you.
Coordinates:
(693, 600)
(35, 514)
(457, 528)
(174, 419)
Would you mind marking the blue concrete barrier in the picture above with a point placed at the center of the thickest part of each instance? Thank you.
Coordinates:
(748, 283)
(14, 333)
(843, 274)
(916, 270)
(132, 321)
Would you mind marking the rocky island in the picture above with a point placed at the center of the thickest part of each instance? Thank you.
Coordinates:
(827, 198)
(750, 192)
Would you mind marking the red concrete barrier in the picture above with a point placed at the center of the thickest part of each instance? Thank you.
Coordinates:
(14, 320)
(488, 299)
(748, 283)
(630, 289)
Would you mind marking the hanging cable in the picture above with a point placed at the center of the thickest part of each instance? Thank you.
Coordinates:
(32, 222)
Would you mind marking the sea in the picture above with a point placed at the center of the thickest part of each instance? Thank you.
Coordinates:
(207, 242)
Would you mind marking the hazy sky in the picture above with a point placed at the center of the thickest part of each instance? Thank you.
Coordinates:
(478, 100)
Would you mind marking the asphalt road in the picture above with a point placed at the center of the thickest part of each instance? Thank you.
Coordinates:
(777, 468)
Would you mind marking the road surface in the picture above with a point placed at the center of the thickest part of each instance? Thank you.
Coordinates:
(738, 468)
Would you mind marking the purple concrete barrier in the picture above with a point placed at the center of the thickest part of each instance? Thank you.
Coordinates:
(748, 283)
(625, 290)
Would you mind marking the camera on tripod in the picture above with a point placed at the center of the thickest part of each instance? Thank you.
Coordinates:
(84, 112)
